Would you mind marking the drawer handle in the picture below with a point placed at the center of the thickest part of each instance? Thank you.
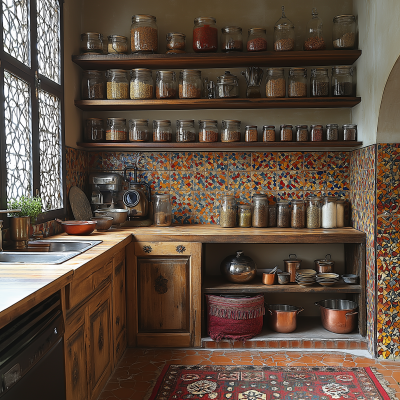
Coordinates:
(180, 249)
(147, 249)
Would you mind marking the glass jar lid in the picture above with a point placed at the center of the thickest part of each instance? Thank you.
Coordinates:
(162, 122)
(180, 35)
(227, 78)
(231, 29)
(139, 121)
(298, 71)
(287, 126)
(208, 121)
(284, 23)
(252, 31)
(344, 18)
(269, 127)
(94, 119)
(319, 71)
(302, 126)
(116, 120)
(117, 37)
(297, 201)
(316, 126)
(143, 18)
(282, 202)
(343, 69)
(271, 71)
(202, 20)
(260, 197)
(347, 126)
(92, 35)
(186, 72)
(251, 126)
(332, 125)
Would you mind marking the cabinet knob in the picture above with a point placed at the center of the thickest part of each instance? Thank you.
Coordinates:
(147, 249)
(180, 249)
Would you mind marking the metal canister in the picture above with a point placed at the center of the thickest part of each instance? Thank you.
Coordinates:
(324, 265)
(292, 264)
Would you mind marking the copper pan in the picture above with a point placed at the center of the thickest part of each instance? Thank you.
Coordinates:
(283, 317)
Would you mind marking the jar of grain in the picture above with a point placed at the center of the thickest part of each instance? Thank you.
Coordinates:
(344, 32)
(314, 39)
(230, 130)
(185, 131)
(340, 207)
(268, 133)
(317, 133)
(231, 39)
(282, 214)
(227, 86)
(297, 82)
(144, 34)
(297, 214)
(205, 35)
(141, 86)
(286, 133)
(176, 42)
(272, 211)
(301, 133)
(275, 83)
(257, 39)
(342, 81)
(165, 85)
(332, 132)
(284, 34)
(162, 210)
(313, 207)
(319, 82)
(227, 212)
(328, 212)
(190, 84)
(116, 130)
(117, 84)
(117, 44)
(93, 85)
(349, 132)
(139, 130)
(244, 216)
(251, 134)
(162, 130)
(94, 130)
(208, 130)
(91, 43)
(260, 211)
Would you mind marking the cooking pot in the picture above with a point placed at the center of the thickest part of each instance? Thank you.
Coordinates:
(238, 268)
(77, 227)
(283, 317)
(338, 316)
(292, 264)
(324, 265)
(119, 215)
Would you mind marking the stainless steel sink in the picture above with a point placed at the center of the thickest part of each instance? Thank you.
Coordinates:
(58, 245)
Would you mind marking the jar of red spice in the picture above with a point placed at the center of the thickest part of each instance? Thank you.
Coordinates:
(257, 39)
(316, 133)
(205, 35)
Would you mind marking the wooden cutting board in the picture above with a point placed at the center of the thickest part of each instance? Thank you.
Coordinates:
(79, 204)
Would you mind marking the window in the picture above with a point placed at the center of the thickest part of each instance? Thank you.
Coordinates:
(31, 103)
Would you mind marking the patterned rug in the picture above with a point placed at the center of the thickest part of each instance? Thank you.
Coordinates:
(224, 382)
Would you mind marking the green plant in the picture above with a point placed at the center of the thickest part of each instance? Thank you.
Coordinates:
(29, 206)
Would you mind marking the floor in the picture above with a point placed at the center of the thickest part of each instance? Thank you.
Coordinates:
(138, 368)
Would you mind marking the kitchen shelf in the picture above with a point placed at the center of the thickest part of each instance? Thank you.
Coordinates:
(218, 60)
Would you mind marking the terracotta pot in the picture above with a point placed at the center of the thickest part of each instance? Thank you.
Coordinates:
(78, 227)
(283, 317)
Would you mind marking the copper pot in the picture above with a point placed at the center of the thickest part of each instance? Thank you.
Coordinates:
(324, 265)
(338, 316)
(283, 317)
(292, 264)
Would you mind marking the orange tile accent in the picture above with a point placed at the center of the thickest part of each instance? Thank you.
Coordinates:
(342, 344)
(319, 344)
(307, 344)
(293, 344)
(330, 344)
(272, 344)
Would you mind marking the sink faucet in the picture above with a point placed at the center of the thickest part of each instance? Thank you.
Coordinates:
(1, 226)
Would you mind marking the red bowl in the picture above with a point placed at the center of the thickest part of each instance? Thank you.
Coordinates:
(78, 227)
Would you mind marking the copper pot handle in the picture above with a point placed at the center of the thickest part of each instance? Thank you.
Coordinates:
(351, 313)
(299, 310)
(270, 311)
(317, 303)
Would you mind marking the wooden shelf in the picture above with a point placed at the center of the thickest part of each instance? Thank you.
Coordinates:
(218, 60)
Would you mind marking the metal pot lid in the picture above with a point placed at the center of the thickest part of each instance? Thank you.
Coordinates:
(283, 307)
(292, 258)
(327, 260)
(227, 78)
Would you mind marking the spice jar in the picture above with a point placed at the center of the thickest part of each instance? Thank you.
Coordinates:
(349, 132)
(268, 133)
(344, 32)
(297, 82)
(286, 133)
(313, 206)
(230, 130)
(94, 130)
(116, 130)
(257, 39)
(244, 216)
(205, 35)
(144, 34)
(275, 83)
(208, 130)
(301, 133)
(260, 211)
(251, 134)
(319, 82)
(314, 39)
(340, 204)
(227, 212)
(332, 132)
(162, 130)
(165, 85)
(91, 43)
(231, 39)
(141, 85)
(284, 34)
(283, 214)
(227, 85)
(342, 80)
(138, 130)
(316, 133)
(297, 214)
(162, 210)
(190, 84)
(176, 43)
(272, 211)
(117, 84)
(93, 85)
(117, 44)
(185, 131)
(328, 212)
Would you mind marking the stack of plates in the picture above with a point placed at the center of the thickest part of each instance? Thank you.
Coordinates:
(327, 279)
(305, 277)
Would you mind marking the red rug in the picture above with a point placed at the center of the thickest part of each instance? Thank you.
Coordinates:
(224, 382)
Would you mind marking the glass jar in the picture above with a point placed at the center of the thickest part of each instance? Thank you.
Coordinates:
(272, 211)
(319, 82)
(190, 84)
(349, 132)
(176, 43)
(93, 85)
(144, 34)
(257, 39)
(162, 210)
(230, 130)
(117, 84)
(286, 133)
(328, 212)
(165, 85)
(313, 206)
(275, 83)
(244, 216)
(117, 44)
(205, 35)
(317, 132)
(141, 85)
(260, 211)
(268, 133)
(94, 130)
(282, 214)
(185, 131)
(116, 130)
(162, 130)
(342, 81)
(251, 134)
(208, 130)
(139, 130)
(231, 39)
(297, 82)
(344, 32)
(340, 209)
(314, 39)
(227, 212)
(332, 132)
(284, 34)
(227, 86)
(297, 220)
(301, 133)
(253, 76)
(91, 43)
